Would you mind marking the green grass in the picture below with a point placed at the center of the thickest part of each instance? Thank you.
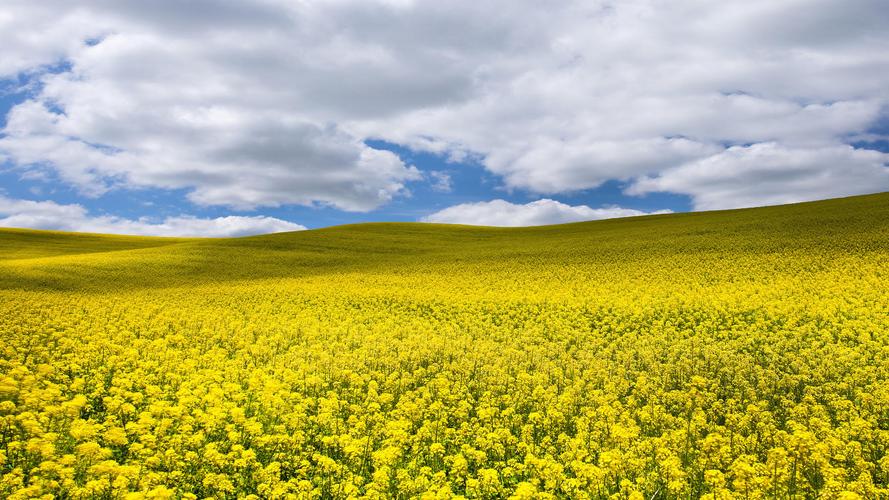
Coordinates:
(21, 244)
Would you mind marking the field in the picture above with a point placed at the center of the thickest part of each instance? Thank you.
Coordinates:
(734, 354)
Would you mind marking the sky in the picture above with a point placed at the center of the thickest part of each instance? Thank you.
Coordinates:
(230, 118)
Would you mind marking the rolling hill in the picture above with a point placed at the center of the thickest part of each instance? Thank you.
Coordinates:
(32, 258)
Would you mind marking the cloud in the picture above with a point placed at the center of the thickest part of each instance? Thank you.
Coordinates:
(630, 89)
(536, 213)
(237, 160)
(269, 102)
(51, 215)
(769, 174)
(582, 164)
(440, 181)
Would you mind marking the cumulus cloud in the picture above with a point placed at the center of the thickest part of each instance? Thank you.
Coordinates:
(239, 160)
(268, 102)
(535, 213)
(768, 174)
(634, 88)
(155, 101)
(51, 215)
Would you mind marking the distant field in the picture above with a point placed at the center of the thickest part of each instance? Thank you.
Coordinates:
(723, 354)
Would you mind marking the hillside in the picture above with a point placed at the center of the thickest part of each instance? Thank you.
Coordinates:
(34, 259)
(735, 353)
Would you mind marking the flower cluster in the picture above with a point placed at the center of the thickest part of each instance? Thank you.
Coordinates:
(573, 369)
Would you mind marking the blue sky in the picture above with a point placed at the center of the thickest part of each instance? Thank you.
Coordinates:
(138, 118)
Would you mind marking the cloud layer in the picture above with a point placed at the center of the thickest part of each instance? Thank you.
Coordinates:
(771, 174)
(51, 215)
(536, 213)
(259, 103)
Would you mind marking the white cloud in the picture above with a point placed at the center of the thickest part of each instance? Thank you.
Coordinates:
(269, 102)
(769, 174)
(536, 213)
(582, 164)
(35, 34)
(440, 181)
(51, 215)
(243, 161)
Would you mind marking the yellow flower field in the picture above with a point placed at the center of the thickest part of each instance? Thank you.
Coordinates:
(738, 354)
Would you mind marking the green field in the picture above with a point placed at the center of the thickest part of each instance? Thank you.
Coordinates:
(740, 353)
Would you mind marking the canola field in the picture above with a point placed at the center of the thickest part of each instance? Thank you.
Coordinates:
(736, 354)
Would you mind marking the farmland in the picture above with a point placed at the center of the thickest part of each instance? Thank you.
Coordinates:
(719, 354)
